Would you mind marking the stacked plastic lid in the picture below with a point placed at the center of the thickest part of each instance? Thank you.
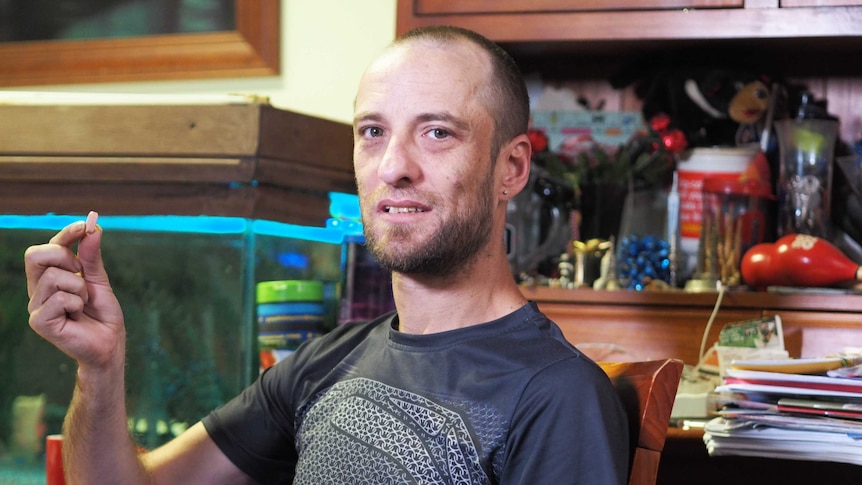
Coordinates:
(289, 312)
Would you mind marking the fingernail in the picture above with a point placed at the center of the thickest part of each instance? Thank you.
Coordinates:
(92, 217)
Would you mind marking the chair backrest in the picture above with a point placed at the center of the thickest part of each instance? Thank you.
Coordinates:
(647, 390)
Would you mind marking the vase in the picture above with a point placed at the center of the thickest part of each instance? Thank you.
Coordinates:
(601, 208)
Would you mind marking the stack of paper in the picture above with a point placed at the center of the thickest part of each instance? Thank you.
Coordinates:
(777, 414)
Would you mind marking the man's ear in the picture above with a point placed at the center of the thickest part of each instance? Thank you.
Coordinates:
(514, 161)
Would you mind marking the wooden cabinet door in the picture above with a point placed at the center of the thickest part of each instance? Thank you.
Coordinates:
(434, 7)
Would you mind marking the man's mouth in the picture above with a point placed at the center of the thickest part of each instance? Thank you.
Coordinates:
(391, 209)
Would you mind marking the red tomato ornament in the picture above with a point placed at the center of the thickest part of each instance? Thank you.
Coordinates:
(660, 123)
(797, 260)
(675, 141)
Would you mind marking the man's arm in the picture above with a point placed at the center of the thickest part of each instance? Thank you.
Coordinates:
(73, 306)
(193, 457)
(569, 429)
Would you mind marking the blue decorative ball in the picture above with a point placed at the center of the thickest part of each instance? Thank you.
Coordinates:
(642, 258)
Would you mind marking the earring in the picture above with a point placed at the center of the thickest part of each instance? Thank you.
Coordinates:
(505, 192)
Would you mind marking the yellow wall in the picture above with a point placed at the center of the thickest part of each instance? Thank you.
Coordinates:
(326, 45)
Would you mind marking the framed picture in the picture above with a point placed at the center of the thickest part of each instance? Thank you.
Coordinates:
(238, 40)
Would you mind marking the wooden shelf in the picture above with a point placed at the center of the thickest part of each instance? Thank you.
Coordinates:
(663, 21)
(645, 325)
(755, 300)
(579, 40)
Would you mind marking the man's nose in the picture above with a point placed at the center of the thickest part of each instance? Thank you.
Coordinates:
(399, 167)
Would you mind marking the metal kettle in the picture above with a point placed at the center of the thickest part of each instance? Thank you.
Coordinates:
(537, 221)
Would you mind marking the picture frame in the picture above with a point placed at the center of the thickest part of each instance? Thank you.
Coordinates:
(252, 49)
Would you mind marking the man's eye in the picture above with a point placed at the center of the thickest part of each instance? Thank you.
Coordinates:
(438, 133)
(372, 131)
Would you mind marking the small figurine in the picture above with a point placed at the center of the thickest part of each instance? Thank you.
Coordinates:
(566, 271)
(608, 278)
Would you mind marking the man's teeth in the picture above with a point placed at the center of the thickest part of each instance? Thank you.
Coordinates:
(402, 210)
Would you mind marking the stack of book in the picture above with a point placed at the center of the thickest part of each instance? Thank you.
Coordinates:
(790, 409)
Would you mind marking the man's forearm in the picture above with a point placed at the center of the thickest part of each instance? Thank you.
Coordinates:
(97, 447)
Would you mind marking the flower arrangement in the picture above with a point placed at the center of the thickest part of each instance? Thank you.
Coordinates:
(646, 160)
(602, 176)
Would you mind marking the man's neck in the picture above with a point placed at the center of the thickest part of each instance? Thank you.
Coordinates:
(428, 304)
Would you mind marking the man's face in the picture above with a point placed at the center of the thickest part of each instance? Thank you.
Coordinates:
(422, 156)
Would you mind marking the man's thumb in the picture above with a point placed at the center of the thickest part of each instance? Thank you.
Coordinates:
(90, 257)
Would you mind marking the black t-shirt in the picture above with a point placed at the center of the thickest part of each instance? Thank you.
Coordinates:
(508, 401)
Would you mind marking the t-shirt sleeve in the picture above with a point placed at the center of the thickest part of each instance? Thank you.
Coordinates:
(255, 430)
(569, 428)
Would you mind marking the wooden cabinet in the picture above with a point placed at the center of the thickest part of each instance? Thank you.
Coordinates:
(581, 44)
(578, 43)
(643, 325)
(512, 21)
(812, 38)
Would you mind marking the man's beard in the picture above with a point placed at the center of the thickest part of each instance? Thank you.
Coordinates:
(450, 248)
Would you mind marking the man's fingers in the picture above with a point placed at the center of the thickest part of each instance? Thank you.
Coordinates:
(56, 308)
(38, 259)
(55, 281)
(70, 234)
(58, 251)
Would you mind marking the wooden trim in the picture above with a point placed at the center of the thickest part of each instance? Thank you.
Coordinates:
(761, 3)
(445, 7)
(256, 202)
(304, 175)
(293, 136)
(126, 169)
(134, 130)
(251, 50)
(746, 300)
(819, 3)
(714, 24)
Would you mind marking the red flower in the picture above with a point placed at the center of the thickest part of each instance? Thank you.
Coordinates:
(674, 141)
(660, 123)
(538, 139)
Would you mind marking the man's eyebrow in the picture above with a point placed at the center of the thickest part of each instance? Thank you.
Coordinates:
(367, 116)
(442, 116)
(446, 117)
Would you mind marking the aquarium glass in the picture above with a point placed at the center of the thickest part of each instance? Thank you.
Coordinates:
(186, 285)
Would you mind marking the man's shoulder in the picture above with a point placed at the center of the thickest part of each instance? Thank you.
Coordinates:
(350, 333)
(547, 346)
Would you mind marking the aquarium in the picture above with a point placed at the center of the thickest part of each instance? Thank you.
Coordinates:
(187, 287)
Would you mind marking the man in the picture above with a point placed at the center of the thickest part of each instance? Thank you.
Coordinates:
(466, 383)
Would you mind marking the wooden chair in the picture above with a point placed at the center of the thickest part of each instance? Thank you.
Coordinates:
(647, 390)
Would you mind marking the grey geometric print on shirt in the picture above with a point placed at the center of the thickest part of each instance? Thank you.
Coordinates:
(364, 431)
